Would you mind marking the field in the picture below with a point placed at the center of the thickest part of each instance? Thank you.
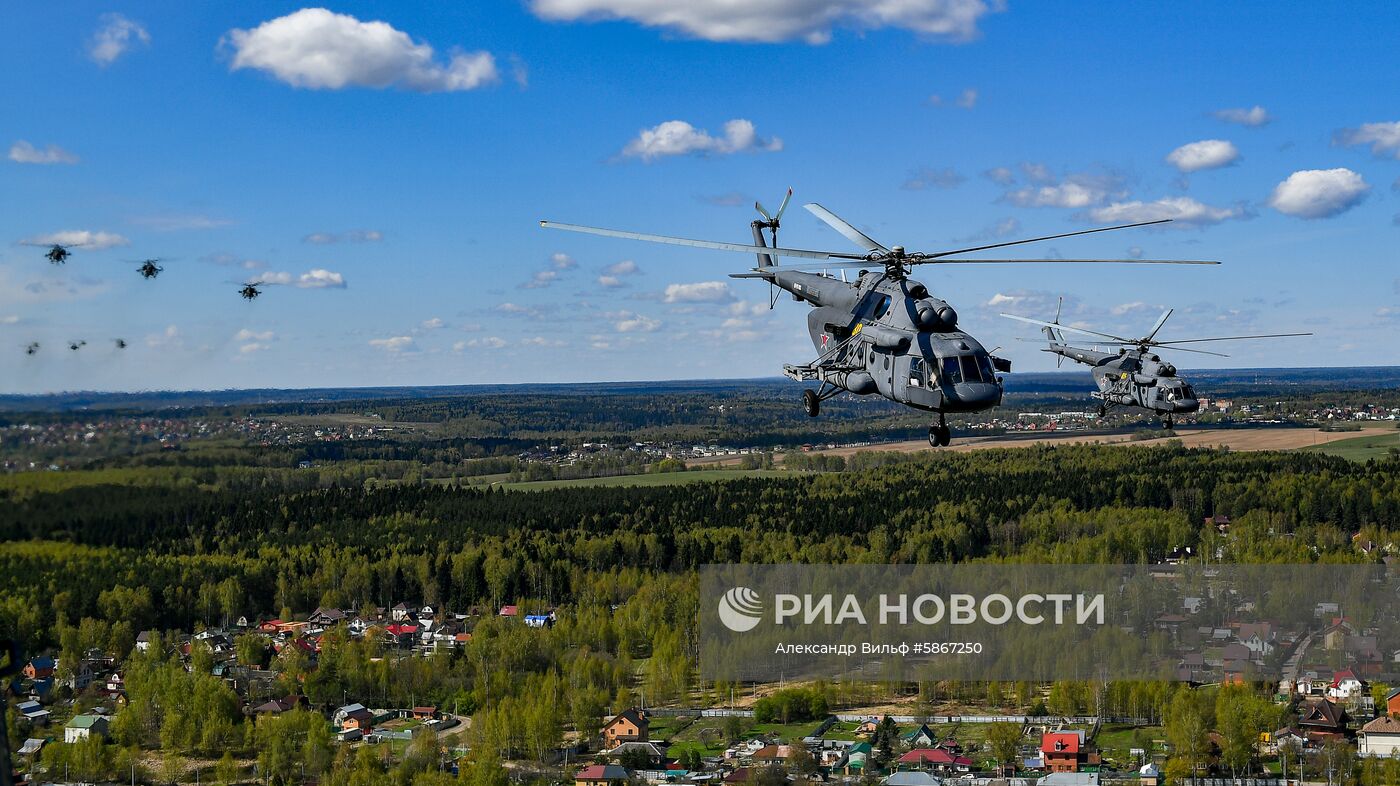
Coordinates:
(1372, 445)
(656, 479)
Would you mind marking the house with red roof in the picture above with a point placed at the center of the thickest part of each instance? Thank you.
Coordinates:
(1063, 751)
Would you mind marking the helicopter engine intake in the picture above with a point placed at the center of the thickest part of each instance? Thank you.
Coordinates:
(936, 316)
(886, 339)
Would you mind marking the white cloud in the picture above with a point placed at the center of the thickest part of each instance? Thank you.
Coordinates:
(1004, 300)
(435, 323)
(679, 138)
(1253, 117)
(1037, 173)
(807, 20)
(744, 308)
(1067, 194)
(926, 177)
(1135, 307)
(116, 35)
(94, 241)
(541, 341)
(967, 99)
(1205, 154)
(541, 279)
(489, 342)
(394, 343)
(9, 319)
(22, 152)
(1319, 193)
(250, 348)
(1030, 302)
(353, 236)
(700, 292)
(176, 223)
(250, 335)
(1183, 210)
(1001, 175)
(315, 48)
(611, 282)
(627, 322)
(624, 268)
(316, 278)
(168, 339)
(1384, 138)
(562, 261)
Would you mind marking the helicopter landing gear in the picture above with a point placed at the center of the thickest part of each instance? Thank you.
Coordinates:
(811, 403)
(940, 435)
(1103, 411)
(1167, 423)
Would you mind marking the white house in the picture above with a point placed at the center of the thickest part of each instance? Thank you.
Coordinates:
(83, 726)
(1380, 737)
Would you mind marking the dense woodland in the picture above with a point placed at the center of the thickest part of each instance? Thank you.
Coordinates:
(90, 558)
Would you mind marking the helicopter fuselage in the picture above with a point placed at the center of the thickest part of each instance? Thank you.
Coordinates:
(888, 335)
(1134, 378)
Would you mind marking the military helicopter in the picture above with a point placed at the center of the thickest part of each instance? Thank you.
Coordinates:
(121, 343)
(58, 253)
(32, 349)
(76, 345)
(149, 269)
(1134, 376)
(250, 290)
(882, 333)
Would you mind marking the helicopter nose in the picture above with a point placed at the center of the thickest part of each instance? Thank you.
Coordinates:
(1187, 405)
(974, 396)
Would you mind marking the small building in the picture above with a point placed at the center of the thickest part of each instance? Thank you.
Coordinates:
(424, 713)
(84, 726)
(33, 712)
(1380, 737)
(602, 775)
(1069, 779)
(922, 737)
(40, 668)
(32, 746)
(1392, 703)
(354, 716)
(1149, 775)
(630, 725)
(1322, 718)
(912, 778)
(1063, 751)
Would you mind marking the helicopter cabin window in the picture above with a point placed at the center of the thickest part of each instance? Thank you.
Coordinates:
(952, 373)
(882, 307)
(984, 364)
(916, 372)
(887, 361)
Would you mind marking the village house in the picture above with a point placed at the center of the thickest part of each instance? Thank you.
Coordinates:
(1322, 719)
(602, 775)
(922, 737)
(84, 726)
(1392, 703)
(40, 668)
(630, 725)
(1380, 737)
(1063, 751)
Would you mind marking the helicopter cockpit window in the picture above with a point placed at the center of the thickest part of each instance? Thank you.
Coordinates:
(970, 371)
(1187, 392)
(984, 364)
(952, 373)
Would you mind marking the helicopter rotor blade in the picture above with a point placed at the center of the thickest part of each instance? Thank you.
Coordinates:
(1225, 338)
(1057, 326)
(783, 207)
(841, 225)
(681, 241)
(1160, 322)
(1199, 352)
(942, 261)
(1049, 237)
(759, 207)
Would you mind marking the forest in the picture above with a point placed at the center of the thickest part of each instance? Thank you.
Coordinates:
(90, 558)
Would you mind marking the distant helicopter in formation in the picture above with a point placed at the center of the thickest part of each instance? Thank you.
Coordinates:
(883, 333)
(76, 345)
(149, 269)
(32, 349)
(1134, 376)
(58, 254)
(250, 290)
(121, 343)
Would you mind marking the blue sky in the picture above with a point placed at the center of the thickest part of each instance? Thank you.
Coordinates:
(387, 164)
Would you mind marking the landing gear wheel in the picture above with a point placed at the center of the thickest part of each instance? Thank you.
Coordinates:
(939, 436)
(811, 403)
(1167, 423)
(1103, 411)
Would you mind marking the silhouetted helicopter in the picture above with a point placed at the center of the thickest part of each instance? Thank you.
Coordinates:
(32, 348)
(121, 343)
(1134, 376)
(58, 254)
(149, 268)
(250, 290)
(883, 333)
(77, 345)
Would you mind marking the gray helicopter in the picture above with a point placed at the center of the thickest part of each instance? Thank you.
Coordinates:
(883, 333)
(1134, 376)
